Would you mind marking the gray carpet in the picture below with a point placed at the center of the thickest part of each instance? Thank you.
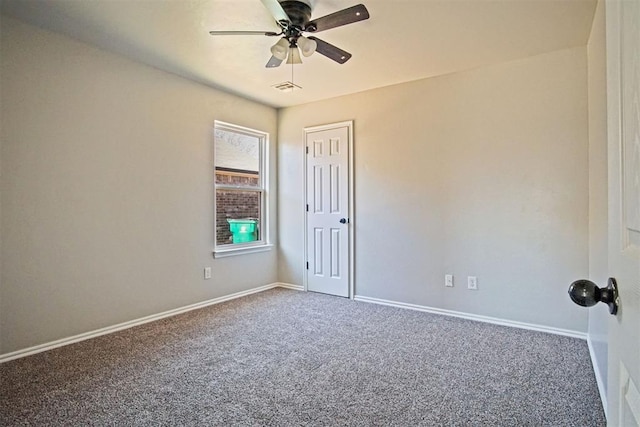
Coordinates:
(287, 358)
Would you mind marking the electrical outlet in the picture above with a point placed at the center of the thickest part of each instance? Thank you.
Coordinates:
(472, 283)
(207, 273)
(448, 280)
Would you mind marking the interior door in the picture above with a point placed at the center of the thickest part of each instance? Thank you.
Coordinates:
(623, 110)
(327, 209)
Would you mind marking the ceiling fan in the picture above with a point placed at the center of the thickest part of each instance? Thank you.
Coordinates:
(294, 18)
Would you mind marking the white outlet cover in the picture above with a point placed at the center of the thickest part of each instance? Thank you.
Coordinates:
(472, 283)
(448, 280)
(207, 273)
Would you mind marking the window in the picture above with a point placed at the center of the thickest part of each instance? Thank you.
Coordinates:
(241, 189)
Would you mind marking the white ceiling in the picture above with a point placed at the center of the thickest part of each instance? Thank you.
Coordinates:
(403, 40)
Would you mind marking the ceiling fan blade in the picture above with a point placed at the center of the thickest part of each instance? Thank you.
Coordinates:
(343, 17)
(276, 10)
(274, 62)
(331, 51)
(243, 33)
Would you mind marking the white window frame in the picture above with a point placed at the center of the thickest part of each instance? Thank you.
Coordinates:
(264, 243)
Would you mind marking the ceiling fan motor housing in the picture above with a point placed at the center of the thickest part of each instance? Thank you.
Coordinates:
(299, 12)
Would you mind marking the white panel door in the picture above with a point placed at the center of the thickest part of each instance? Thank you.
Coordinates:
(328, 210)
(623, 109)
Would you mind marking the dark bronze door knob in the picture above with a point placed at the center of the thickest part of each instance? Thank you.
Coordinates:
(586, 293)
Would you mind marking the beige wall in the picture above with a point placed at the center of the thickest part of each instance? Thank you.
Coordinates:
(106, 189)
(479, 173)
(598, 184)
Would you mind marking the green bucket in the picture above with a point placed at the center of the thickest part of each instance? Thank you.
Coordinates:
(243, 230)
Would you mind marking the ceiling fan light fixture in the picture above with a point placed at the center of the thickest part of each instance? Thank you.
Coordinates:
(294, 56)
(307, 46)
(293, 18)
(280, 49)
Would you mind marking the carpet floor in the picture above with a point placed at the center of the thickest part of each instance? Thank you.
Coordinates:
(288, 358)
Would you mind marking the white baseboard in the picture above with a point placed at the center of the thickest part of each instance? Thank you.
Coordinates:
(289, 286)
(126, 325)
(476, 317)
(598, 374)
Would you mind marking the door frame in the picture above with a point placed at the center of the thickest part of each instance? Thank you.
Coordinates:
(350, 188)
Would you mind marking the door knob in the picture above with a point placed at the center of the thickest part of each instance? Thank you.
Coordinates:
(343, 220)
(586, 293)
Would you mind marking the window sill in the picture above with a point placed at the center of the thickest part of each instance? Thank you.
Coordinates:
(227, 252)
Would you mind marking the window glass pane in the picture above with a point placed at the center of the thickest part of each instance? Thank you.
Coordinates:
(237, 159)
(237, 216)
(239, 181)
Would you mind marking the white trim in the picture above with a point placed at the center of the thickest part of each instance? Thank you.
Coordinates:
(351, 190)
(598, 374)
(223, 253)
(290, 286)
(476, 317)
(352, 214)
(141, 321)
(305, 240)
(126, 325)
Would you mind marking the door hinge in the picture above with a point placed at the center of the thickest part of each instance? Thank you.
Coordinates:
(307, 208)
(307, 265)
(307, 150)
